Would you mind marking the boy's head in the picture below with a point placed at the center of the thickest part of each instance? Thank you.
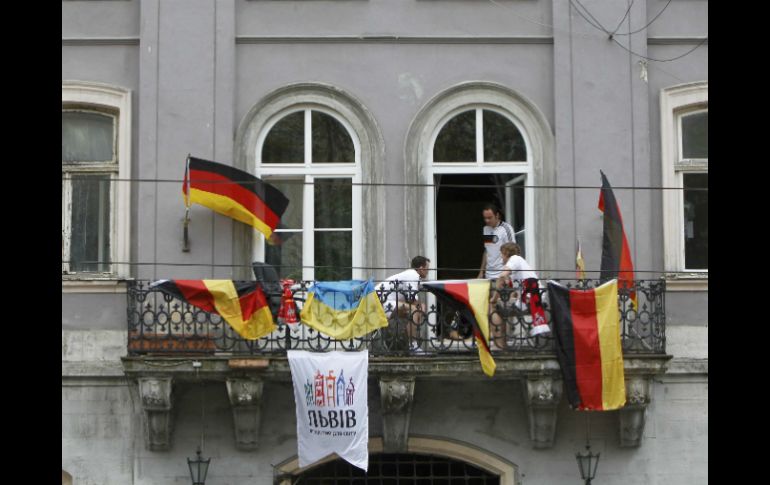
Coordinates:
(510, 249)
(421, 265)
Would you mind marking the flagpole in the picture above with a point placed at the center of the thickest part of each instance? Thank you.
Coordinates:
(185, 233)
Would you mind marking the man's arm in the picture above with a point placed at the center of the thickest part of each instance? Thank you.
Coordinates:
(503, 278)
(483, 264)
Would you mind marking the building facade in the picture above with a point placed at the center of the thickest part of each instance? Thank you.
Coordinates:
(388, 124)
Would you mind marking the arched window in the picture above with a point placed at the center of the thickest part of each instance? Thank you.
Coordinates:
(312, 155)
(479, 135)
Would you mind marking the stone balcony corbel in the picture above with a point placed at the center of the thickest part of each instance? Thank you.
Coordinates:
(633, 414)
(397, 397)
(246, 400)
(542, 394)
(155, 395)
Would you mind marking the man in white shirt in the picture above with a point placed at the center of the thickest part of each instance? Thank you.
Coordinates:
(404, 300)
(496, 232)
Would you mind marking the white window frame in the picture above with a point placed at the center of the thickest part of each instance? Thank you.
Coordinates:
(480, 167)
(675, 103)
(114, 101)
(308, 172)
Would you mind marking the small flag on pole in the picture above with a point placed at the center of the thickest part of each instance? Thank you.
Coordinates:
(233, 193)
(580, 265)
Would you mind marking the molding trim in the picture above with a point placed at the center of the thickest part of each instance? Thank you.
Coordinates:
(93, 286)
(688, 284)
(99, 41)
(390, 39)
(676, 40)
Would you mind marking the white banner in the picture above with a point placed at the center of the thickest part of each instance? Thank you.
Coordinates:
(330, 393)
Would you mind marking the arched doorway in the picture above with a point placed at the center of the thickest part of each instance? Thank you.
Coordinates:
(387, 468)
(477, 143)
(427, 461)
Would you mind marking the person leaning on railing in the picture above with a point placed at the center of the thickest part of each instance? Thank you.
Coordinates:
(516, 268)
(407, 283)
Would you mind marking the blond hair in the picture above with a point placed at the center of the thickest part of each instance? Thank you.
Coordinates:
(510, 249)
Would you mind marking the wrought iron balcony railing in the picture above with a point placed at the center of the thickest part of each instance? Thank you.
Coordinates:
(159, 324)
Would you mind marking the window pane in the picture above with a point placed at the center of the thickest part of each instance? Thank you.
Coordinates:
(332, 205)
(90, 240)
(696, 221)
(333, 255)
(502, 140)
(293, 190)
(695, 133)
(86, 137)
(456, 142)
(331, 141)
(285, 254)
(286, 141)
(514, 211)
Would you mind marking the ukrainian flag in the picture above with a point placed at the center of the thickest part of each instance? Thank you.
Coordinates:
(343, 309)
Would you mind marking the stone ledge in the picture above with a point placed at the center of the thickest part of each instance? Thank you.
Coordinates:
(688, 367)
(92, 369)
(457, 368)
(71, 284)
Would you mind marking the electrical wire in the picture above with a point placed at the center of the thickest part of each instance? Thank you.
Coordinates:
(648, 23)
(601, 28)
(628, 10)
(401, 184)
(340, 267)
(661, 60)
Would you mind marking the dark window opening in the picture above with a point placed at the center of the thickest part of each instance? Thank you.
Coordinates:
(696, 221)
(459, 223)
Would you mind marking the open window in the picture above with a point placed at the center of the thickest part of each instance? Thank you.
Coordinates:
(479, 156)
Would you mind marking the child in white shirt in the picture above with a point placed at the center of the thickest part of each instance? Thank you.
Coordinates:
(516, 268)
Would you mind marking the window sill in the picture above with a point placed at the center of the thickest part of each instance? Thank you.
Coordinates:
(687, 282)
(92, 284)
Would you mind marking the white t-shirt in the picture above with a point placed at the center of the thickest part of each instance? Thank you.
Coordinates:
(409, 280)
(494, 237)
(520, 269)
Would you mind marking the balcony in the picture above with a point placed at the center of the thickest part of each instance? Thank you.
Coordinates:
(160, 325)
(173, 342)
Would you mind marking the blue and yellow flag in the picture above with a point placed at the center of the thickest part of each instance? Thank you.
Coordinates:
(343, 309)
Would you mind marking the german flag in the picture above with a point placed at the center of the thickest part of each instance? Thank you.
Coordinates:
(243, 307)
(471, 299)
(234, 193)
(586, 328)
(616, 258)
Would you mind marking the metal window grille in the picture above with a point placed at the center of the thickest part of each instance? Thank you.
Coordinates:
(398, 469)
